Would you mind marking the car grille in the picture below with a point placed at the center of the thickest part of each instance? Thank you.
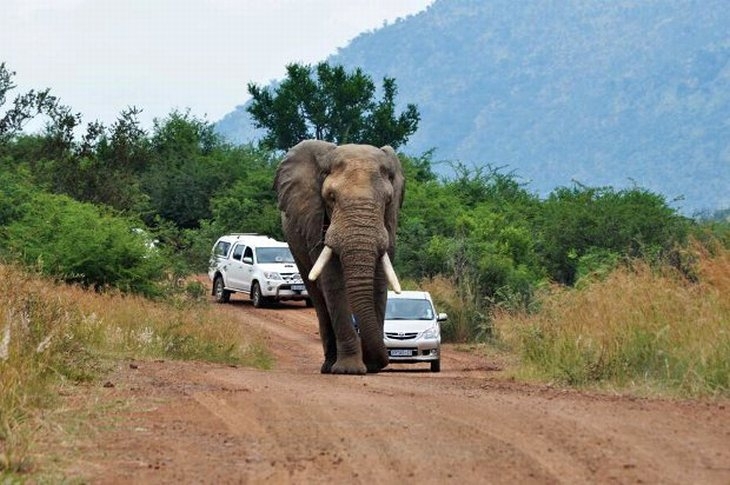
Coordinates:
(291, 277)
(401, 335)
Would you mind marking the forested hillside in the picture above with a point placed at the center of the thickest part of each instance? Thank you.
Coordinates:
(615, 93)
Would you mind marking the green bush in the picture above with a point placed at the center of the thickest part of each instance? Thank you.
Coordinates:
(249, 206)
(596, 263)
(574, 222)
(81, 243)
(14, 190)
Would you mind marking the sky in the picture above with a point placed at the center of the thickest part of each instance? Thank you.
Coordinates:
(103, 56)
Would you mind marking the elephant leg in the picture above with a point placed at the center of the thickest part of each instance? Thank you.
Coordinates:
(348, 347)
(326, 331)
(349, 351)
(303, 253)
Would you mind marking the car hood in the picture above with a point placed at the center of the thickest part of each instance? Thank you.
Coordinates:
(405, 326)
(279, 267)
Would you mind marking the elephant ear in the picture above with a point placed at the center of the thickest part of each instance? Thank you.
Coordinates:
(298, 184)
(399, 188)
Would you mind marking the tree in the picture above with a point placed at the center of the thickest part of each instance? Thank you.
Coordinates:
(27, 106)
(328, 103)
(104, 167)
(183, 175)
(600, 223)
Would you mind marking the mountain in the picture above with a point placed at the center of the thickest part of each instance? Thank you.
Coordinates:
(616, 93)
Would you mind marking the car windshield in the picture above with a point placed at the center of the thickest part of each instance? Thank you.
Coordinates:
(407, 309)
(274, 255)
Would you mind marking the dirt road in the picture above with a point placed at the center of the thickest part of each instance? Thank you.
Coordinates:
(172, 422)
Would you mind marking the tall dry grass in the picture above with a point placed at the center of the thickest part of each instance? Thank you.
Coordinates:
(468, 318)
(642, 328)
(52, 333)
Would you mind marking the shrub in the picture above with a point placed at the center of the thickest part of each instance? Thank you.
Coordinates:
(81, 243)
(576, 221)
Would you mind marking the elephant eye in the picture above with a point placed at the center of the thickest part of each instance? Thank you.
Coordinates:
(388, 194)
(328, 192)
(330, 196)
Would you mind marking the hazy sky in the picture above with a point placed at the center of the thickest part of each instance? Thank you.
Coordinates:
(101, 56)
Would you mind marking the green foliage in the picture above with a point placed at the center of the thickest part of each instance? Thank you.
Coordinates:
(14, 190)
(31, 104)
(83, 244)
(574, 222)
(182, 176)
(714, 229)
(596, 264)
(102, 169)
(419, 169)
(426, 224)
(247, 207)
(181, 193)
(476, 230)
(328, 103)
(192, 172)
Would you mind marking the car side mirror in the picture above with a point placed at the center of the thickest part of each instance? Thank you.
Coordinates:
(442, 317)
(248, 260)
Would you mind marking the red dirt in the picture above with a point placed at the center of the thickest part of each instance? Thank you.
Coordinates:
(190, 422)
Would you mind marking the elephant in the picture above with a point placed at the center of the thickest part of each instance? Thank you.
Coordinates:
(339, 212)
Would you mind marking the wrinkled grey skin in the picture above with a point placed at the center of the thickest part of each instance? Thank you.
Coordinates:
(348, 198)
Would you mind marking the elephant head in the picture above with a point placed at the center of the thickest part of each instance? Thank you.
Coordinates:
(339, 207)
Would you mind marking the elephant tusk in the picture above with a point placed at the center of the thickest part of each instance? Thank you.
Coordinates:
(319, 265)
(390, 273)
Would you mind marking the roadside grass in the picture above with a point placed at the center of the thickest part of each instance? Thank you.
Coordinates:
(647, 330)
(53, 334)
(468, 320)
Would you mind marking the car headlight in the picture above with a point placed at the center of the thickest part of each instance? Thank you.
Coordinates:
(272, 276)
(431, 333)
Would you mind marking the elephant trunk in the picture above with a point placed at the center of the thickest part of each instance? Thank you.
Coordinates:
(359, 267)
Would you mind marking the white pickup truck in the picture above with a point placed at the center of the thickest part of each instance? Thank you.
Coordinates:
(258, 265)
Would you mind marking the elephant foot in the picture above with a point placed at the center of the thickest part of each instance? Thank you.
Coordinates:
(374, 368)
(349, 365)
(377, 364)
(327, 366)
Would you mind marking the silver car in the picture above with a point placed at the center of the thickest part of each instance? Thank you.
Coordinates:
(412, 331)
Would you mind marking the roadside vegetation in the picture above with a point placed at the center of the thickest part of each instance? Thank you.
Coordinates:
(589, 286)
(55, 334)
(650, 330)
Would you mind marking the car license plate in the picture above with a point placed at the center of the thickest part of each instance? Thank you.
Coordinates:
(297, 287)
(401, 352)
